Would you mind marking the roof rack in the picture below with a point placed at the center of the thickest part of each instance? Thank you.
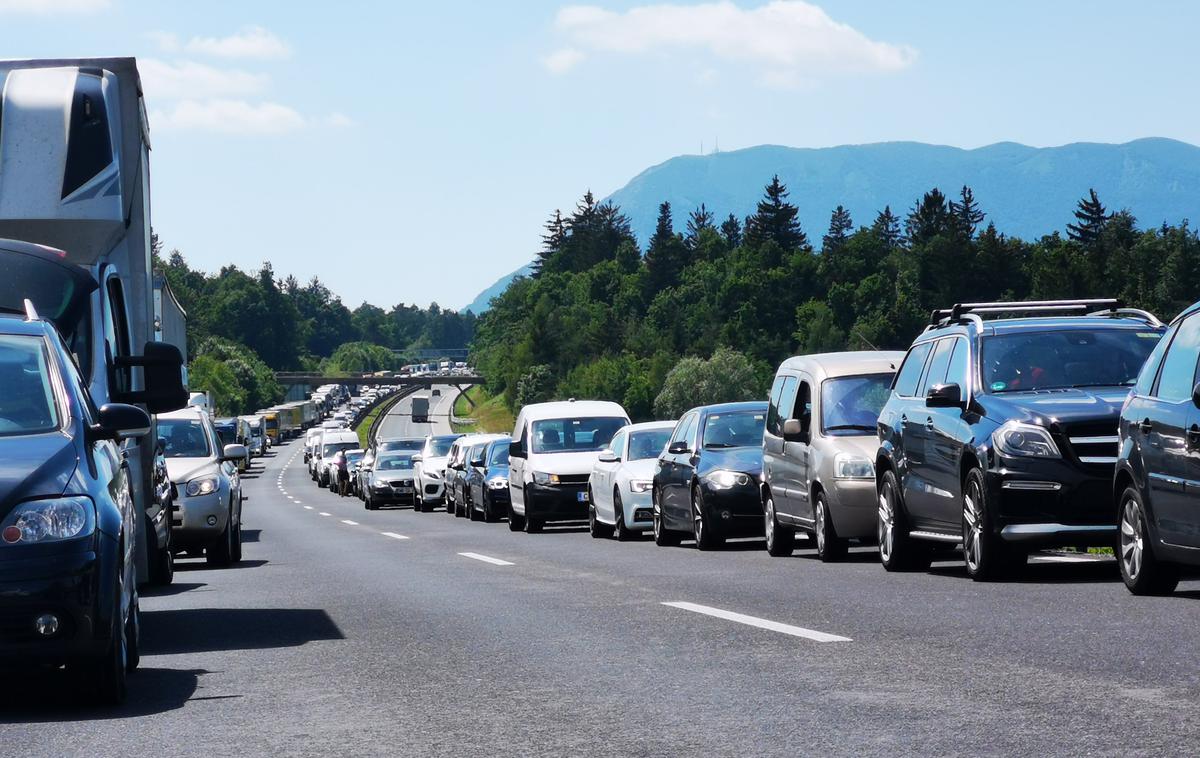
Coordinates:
(960, 311)
(1137, 313)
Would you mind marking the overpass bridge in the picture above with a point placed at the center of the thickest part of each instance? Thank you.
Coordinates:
(300, 383)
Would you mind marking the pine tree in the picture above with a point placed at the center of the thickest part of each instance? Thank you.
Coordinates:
(966, 213)
(928, 218)
(775, 220)
(840, 226)
(698, 220)
(887, 228)
(731, 230)
(1092, 219)
(552, 241)
(666, 255)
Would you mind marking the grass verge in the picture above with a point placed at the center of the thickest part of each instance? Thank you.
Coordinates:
(490, 413)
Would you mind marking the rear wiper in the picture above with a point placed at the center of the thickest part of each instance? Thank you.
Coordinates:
(843, 427)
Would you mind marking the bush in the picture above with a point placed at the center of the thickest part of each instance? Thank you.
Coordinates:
(729, 376)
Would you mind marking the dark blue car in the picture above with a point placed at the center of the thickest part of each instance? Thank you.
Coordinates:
(707, 481)
(68, 590)
(487, 481)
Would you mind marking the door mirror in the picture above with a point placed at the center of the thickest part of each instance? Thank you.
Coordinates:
(944, 396)
(233, 453)
(678, 448)
(477, 463)
(793, 431)
(608, 456)
(118, 421)
(1196, 395)
(414, 459)
(515, 450)
(162, 366)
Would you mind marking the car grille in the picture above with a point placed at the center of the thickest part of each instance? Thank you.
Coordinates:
(573, 478)
(1093, 443)
(401, 482)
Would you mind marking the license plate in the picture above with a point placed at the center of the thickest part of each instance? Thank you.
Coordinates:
(403, 490)
(581, 496)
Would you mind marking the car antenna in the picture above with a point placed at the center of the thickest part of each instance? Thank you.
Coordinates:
(31, 313)
(864, 339)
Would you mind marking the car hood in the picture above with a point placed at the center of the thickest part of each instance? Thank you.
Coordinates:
(1067, 406)
(564, 463)
(747, 460)
(434, 464)
(183, 470)
(643, 469)
(497, 471)
(35, 466)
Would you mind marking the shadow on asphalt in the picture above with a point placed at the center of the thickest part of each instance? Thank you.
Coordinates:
(251, 535)
(808, 551)
(50, 695)
(176, 588)
(202, 565)
(1045, 573)
(196, 630)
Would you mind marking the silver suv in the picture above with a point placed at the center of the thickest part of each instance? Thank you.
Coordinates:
(819, 449)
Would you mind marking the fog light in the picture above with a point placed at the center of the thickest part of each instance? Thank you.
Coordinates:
(46, 624)
(212, 520)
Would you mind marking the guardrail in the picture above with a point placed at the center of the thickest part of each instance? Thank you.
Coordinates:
(389, 401)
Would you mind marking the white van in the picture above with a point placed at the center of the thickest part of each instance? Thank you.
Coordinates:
(554, 448)
(332, 442)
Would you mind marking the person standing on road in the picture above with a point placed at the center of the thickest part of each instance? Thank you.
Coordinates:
(343, 473)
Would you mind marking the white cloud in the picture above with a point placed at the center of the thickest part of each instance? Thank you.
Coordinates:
(228, 117)
(191, 80)
(53, 6)
(788, 41)
(340, 120)
(250, 42)
(562, 61)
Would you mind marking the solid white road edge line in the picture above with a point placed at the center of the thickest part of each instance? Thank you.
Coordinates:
(348, 522)
(486, 559)
(774, 626)
(394, 536)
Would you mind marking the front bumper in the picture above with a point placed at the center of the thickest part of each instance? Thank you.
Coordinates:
(734, 512)
(387, 493)
(556, 502)
(190, 520)
(639, 511)
(433, 489)
(853, 506)
(1046, 503)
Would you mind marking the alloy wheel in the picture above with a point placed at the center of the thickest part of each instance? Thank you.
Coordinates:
(887, 526)
(819, 526)
(1131, 539)
(972, 529)
(769, 526)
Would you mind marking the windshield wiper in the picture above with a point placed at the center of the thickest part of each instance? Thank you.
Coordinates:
(712, 445)
(1102, 384)
(844, 427)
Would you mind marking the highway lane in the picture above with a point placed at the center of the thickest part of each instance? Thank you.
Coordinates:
(399, 423)
(342, 638)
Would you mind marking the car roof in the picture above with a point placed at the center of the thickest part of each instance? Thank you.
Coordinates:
(752, 405)
(649, 425)
(572, 408)
(851, 363)
(1043, 324)
(12, 323)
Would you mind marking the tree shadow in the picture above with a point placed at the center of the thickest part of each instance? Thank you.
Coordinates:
(175, 588)
(48, 695)
(194, 630)
(202, 565)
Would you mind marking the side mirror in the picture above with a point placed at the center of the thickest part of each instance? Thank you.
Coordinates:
(1196, 395)
(160, 447)
(678, 448)
(162, 366)
(515, 450)
(416, 458)
(477, 463)
(233, 453)
(608, 456)
(793, 431)
(118, 421)
(944, 396)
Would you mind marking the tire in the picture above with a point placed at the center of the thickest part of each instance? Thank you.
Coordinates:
(473, 514)
(370, 504)
(1142, 572)
(459, 509)
(236, 551)
(984, 554)
(515, 523)
(449, 502)
(622, 532)
(162, 572)
(220, 552)
(830, 547)
(106, 675)
(598, 529)
(489, 517)
(705, 535)
(781, 540)
(533, 524)
(897, 551)
(133, 636)
(663, 537)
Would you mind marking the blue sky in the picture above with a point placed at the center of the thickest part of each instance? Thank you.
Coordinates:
(409, 152)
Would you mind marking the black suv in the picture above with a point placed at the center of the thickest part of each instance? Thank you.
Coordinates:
(1157, 484)
(1001, 431)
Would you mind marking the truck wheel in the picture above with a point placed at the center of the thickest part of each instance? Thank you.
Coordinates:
(897, 551)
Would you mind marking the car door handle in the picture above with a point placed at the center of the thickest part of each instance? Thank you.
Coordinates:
(929, 423)
(903, 418)
(1145, 427)
(1193, 437)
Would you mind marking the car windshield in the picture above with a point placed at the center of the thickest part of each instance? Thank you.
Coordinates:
(402, 444)
(332, 449)
(850, 405)
(1067, 358)
(439, 447)
(735, 429)
(227, 434)
(353, 458)
(26, 396)
(499, 456)
(393, 462)
(648, 444)
(574, 435)
(183, 438)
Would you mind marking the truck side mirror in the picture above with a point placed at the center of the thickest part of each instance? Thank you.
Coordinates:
(515, 450)
(118, 421)
(162, 366)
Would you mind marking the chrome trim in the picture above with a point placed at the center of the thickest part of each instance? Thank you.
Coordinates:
(1097, 459)
(1037, 486)
(1019, 532)
(938, 536)
(1168, 479)
(1094, 440)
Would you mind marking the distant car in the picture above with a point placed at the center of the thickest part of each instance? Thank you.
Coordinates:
(390, 480)
(310, 441)
(208, 513)
(706, 483)
(619, 487)
(473, 463)
(332, 443)
(430, 469)
(68, 582)
(488, 481)
(436, 392)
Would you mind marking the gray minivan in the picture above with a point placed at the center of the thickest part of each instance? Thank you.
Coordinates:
(819, 449)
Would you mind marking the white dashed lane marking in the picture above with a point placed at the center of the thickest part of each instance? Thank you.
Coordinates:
(774, 626)
(323, 513)
(348, 522)
(394, 536)
(486, 559)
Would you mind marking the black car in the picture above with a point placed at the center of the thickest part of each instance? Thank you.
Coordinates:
(1001, 434)
(707, 481)
(487, 481)
(68, 591)
(1157, 483)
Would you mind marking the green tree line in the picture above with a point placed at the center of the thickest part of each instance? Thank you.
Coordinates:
(598, 318)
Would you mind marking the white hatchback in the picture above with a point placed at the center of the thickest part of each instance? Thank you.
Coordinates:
(619, 487)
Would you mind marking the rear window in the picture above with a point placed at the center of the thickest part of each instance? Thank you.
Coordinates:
(27, 404)
(574, 435)
(910, 372)
(332, 449)
(402, 444)
(393, 463)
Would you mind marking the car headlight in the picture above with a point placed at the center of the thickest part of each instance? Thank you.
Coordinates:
(723, 480)
(540, 478)
(433, 473)
(1021, 440)
(848, 466)
(41, 521)
(204, 485)
(640, 485)
(497, 483)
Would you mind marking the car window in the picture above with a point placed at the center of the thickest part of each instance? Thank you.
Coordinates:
(27, 403)
(959, 370)
(333, 448)
(1024, 361)
(618, 442)
(572, 435)
(910, 372)
(116, 332)
(850, 405)
(415, 444)
(781, 406)
(183, 438)
(499, 454)
(1178, 374)
(393, 462)
(734, 429)
(686, 430)
(802, 409)
(937, 366)
(439, 447)
(647, 444)
(1145, 381)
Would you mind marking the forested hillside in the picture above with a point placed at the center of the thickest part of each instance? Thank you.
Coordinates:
(598, 318)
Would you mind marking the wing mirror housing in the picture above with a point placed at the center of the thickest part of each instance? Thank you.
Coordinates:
(678, 448)
(1196, 395)
(944, 396)
(608, 456)
(515, 450)
(477, 463)
(415, 458)
(162, 366)
(119, 421)
(233, 453)
(793, 431)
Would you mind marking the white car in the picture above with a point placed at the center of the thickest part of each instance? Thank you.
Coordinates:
(619, 487)
(430, 469)
(333, 442)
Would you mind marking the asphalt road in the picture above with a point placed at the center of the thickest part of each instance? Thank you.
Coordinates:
(347, 632)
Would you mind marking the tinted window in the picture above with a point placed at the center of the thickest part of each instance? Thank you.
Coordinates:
(184, 438)
(647, 444)
(787, 401)
(499, 455)
(415, 444)
(802, 409)
(1026, 361)
(910, 372)
(334, 448)
(1179, 366)
(851, 404)
(685, 430)
(1145, 381)
(735, 429)
(773, 420)
(571, 435)
(27, 403)
(959, 370)
(937, 366)
(393, 462)
(116, 332)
